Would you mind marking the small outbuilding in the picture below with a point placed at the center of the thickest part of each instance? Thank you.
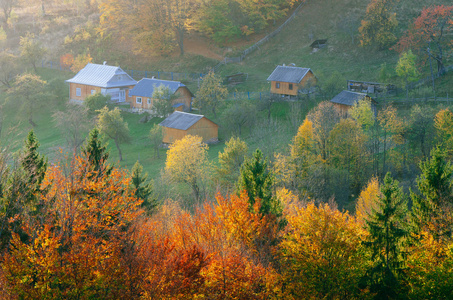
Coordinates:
(141, 96)
(179, 124)
(289, 80)
(318, 44)
(347, 99)
(104, 79)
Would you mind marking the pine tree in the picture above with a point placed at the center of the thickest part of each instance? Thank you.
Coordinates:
(96, 153)
(143, 189)
(387, 229)
(257, 180)
(435, 198)
(32, 162)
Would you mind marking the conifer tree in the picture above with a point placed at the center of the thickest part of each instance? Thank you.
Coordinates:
(32, 162)
(257, 180)
(96, 153)
(436, 197)
(387, 229)
(143, 189)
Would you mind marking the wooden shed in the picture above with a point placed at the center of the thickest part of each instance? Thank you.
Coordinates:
(104, 79)
(347, 99)
(179, 124)
(288, 80)
(141, 96)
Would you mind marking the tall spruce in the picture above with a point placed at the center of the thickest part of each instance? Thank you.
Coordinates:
(33, 163)
(434, 202)
(387, 228)
(257, 181)
(143, 189)
(96, 153)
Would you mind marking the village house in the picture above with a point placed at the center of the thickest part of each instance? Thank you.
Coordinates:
(104, 79)
(289, 80)
(141, 96)
(347, 99)
(179, 124)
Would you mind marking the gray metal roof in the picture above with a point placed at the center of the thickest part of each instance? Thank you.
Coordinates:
(348, 98)
(181, 120)
(145, 87)
(288, 74)
(102, 76)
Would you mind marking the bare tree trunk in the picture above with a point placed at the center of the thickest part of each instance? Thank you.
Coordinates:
(119, 150)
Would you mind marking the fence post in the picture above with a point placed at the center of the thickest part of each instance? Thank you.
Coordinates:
(60, 66)
(132, 74)
(158, 75)
(171, 75)
(146, 74)
(42, 63)
(51, 64)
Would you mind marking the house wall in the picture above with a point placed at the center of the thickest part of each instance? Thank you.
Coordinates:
(203, 128)
(184, 93)
(86, 91)
(309, 78)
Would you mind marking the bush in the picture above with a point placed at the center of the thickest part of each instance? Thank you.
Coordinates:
(96, 102)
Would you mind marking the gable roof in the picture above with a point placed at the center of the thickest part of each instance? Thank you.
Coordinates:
(145, 87)
(102, 76)
(181, 120)
(288, 74)
(349, 98)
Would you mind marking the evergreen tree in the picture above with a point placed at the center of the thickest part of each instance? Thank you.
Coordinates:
(33, 163)
(386, 226)
(143, 189)
(96, 153)
(435, 198)
(257, 180)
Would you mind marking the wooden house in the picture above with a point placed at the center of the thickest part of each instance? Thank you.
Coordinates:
(179, 124)
(141, 96)
(289, 80)
(104, 79)
(347, 99)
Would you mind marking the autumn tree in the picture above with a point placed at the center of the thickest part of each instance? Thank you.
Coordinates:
(387, 231)
(406, 69)
(73, 124)
(31, 90)
(239, 116)
(211, 93)
(31, 50)
(321, 254)
(443, 122)
(231, 159)
(163, 101)
(433, 206)
(362, 112)
(155, 136)
(8, 68)
(80, 61)
(379, 24)
(7, 7)
(111, 124)
(96, 102)
(187, 163)
(421, 130)
(429, 35)
(367, 202)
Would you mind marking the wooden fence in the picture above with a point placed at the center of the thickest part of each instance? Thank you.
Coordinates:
(260, 42)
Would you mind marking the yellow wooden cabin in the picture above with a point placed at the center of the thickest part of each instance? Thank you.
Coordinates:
(345, 100)
(141, 96)
(179, 124)
(289, 80)
(104, 79)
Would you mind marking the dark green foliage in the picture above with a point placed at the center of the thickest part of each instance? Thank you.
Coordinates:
(143, 189)
(96, 153)
(33, 163)
(96, 102)
(387, 228)
(257, 181)
(435, 186)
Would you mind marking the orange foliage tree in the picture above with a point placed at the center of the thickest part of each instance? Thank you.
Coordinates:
(75, 251)
(66, 61)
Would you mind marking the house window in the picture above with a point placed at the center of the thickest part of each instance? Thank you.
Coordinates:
(93, 92)
(78, 92)
(290, 86)
(138, 100)
(149, 101)
(277, 85)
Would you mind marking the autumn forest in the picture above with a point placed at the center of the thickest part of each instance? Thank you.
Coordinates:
(297, 199)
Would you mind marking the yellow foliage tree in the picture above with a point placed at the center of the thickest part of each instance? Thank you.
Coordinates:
(187, 163)
(368, 199)
(80, 62)
(443, 122)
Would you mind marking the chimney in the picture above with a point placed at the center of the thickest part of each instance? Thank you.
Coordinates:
(105, 62)
(284, 65)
